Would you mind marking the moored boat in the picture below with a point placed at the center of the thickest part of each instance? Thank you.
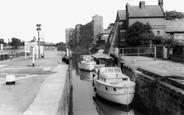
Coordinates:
(111, 84)
(86, 63)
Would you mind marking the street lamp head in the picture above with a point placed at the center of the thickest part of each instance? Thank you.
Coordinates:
(38, 29)
(38, 25)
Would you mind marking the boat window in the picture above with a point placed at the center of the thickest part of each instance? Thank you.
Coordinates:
(110, 70)
(117, 80)
(124, 79)
(117, 70)
(114, 89)
(105, 79)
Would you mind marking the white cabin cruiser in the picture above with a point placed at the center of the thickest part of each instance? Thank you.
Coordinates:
(111, 84)
(86, 63)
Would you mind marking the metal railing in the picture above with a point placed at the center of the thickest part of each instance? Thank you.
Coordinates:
(138, 51)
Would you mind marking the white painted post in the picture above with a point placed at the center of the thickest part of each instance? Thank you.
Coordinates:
(67, 53)
(33, 56)
(155, 48)
(37, 53)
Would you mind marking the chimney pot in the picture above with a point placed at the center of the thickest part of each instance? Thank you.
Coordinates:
(142, 4)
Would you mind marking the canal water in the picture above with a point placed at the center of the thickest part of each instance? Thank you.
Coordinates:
(86, 102)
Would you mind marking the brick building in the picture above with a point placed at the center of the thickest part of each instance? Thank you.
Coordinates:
(152, 14)
(68, 34)
(87, 31)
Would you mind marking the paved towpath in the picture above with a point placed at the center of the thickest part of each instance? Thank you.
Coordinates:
(164, 67)
(31, 81)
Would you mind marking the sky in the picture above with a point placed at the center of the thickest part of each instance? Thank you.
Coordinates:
(18, 18)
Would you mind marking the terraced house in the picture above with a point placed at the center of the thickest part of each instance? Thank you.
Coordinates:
(152, 14)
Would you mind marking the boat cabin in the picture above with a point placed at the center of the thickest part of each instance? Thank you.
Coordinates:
(86, 58)
(112, 75)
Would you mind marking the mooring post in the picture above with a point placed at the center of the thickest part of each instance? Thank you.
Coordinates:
(155, 48)
(33, 57)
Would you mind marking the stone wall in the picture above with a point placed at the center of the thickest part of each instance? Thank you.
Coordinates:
(162, 95)
(64, 103)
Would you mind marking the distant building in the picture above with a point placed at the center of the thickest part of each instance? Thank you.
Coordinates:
(97, 25)
(175, 29)
(121, 19)
(87, 31)
(77, 33)
(152, 14)
(103, 36)
(68, 34)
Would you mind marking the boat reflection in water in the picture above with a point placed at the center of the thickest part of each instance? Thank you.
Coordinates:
(86, 75)
(107, 108)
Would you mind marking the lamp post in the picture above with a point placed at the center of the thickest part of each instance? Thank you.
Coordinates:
(38, 29)
(43, 43)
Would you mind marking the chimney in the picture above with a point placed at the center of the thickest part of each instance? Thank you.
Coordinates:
(142, 4)
(160, 2)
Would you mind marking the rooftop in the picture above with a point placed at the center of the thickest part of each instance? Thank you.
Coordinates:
(121, 15)
(145, 10)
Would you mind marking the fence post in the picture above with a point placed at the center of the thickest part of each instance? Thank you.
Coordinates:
(138, 53)
(155, 52)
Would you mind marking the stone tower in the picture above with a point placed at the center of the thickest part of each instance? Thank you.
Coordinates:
(77, 31)
(97, 25)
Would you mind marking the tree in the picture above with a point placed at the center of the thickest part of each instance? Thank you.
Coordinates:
(60, 44)
(139, 34)
(15, 42)
(172, 15)
(2, 41)
(22, 43)
(110, 25)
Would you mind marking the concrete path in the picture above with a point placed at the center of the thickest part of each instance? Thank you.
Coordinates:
(38, 90)
(47, 99)
(164, 67)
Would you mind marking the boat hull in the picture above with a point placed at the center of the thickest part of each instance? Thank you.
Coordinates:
(122, 95)
(87, 66)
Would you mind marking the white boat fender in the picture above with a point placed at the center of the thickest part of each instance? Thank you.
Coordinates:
(10, 79)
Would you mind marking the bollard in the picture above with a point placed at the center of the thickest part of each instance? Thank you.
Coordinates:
(10, 79)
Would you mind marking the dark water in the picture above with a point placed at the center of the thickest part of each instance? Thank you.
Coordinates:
(86, 102)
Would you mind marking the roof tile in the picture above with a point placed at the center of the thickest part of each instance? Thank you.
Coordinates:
(148, 11)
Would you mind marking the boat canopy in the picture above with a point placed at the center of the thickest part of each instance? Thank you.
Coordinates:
(101, 55)
(86, 57)
(110, 70)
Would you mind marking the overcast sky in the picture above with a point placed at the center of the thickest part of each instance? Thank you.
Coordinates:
(18, 18)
